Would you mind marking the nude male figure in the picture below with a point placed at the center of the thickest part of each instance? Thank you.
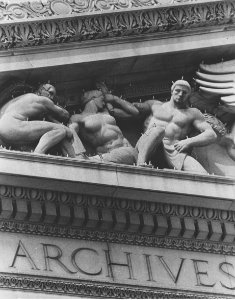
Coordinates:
(97, 126)
(21, 121)
(171, 123)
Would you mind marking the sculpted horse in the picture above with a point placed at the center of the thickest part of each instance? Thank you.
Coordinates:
(216, 99)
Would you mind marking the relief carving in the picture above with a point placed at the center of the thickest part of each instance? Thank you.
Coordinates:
(215, 98)
(119, 237)
(125, 23)
(47, 8)
(170, 226)
(73, 200)
(21, 123)
(96, 127)
(69, 287)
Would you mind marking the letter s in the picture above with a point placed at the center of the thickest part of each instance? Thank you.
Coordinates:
(227, 273)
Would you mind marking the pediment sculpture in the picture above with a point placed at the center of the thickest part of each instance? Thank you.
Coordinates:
(32, 121)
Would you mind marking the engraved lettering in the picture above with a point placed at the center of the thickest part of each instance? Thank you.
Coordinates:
(199, 273)
(149, 269)
(166, 267)
(73, 260)
(24, 254)
(110, 265)
(227, 273)
(56, 258)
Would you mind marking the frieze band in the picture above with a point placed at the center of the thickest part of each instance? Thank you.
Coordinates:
(117, 237)
(76, 28)
(13, 10)
(69, 287)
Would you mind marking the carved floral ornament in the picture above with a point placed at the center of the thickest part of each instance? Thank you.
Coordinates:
(68, 287)
(33, 9)
(60, 21)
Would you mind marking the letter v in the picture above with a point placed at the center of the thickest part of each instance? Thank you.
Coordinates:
(166, 267)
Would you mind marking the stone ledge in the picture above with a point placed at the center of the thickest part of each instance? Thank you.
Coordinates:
(110, 180)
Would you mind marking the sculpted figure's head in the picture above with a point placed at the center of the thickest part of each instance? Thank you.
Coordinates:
(47, 90)
(180, 91)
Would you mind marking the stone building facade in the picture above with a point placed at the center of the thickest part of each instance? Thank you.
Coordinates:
(79, 228)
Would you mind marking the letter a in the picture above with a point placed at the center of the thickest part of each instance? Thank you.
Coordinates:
(24, 254)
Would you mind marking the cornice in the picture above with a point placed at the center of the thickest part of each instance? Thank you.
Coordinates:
(18, 10)
(16, 193)
(75, 216)
(94, 289)
(30, 24)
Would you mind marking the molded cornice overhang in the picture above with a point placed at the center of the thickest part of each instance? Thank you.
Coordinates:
(46, 22)
(115, 181)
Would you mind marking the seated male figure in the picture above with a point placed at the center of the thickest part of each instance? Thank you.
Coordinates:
(171, 123)
(21, 121)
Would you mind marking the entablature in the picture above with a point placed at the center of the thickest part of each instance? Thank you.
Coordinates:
(61, 203)
(54, 196)
(29, 24)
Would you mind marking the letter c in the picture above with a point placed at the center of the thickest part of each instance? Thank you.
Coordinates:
(73, 260)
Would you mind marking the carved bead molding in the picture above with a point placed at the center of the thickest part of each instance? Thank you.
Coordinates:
(144, 223)
(88, 289)
(60, 21)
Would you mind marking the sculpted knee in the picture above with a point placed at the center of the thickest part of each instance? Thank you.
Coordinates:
(62, 130)
(68, 132)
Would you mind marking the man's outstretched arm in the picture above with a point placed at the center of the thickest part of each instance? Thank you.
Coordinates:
(145, 108)
(119, 107)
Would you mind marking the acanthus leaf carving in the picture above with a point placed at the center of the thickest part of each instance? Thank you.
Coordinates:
(98, 26)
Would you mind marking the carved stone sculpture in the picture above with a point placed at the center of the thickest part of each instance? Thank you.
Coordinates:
(171, 123)
(21, 122)
(216, 95)
(97, 126)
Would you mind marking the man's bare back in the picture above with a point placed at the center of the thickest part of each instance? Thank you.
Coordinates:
(24, 107)
(21, 121)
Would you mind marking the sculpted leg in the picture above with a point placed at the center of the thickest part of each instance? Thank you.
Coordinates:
(67, 148)
(78, 147)
(148, 142)
(192, 165)
(122, 155)
(50, 139)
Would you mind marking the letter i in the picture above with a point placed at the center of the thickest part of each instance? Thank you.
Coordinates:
(149, 269)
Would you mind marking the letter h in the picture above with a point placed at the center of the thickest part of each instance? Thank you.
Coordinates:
(110, 264)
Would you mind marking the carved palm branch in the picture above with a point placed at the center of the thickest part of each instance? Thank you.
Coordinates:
(219, 79)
